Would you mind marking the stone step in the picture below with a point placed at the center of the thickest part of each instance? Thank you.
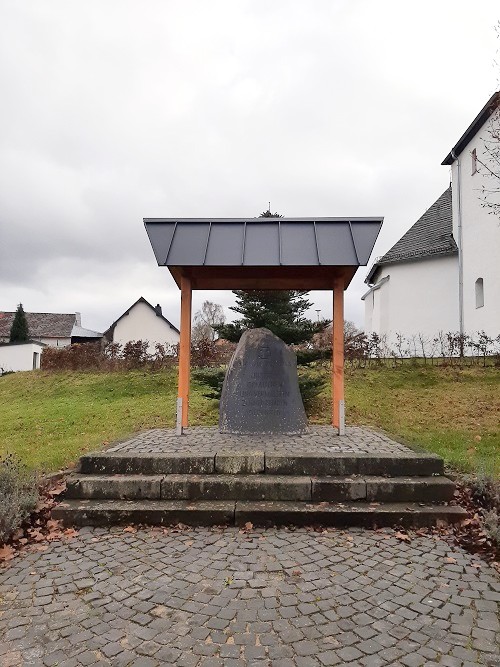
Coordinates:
(367, 515)
(260, 487)
(389, 465)
(116, 463)
(256, 462)
(150, 512)
(225, 512)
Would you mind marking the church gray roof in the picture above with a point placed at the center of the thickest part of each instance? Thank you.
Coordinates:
(430, 236)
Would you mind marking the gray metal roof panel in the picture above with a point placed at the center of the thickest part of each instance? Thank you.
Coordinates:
(189, 244)
(335, 244)
(364, 235)
(262, 241)
(298, 244)
(262, 244)
(81, 332)
(161, 236)
(225, 246)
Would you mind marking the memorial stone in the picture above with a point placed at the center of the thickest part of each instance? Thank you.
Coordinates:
(261, 392)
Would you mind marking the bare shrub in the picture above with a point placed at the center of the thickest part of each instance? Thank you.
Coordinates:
(135, 353)
(203, 353)
(18, 495)
(110, 357)
(80, 356)
(206, 352)
(485, 491)
(492, 525)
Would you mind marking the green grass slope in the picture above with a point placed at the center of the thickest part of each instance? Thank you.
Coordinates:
(50, 419)
(452, 412)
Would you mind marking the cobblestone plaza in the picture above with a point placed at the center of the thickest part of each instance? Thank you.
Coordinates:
(224, 597)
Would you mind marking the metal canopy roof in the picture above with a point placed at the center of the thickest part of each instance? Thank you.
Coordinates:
(262, 242)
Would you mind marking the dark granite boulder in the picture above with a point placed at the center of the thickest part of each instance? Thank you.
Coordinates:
(261, 389)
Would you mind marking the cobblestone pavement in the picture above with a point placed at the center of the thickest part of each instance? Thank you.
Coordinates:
(209, 597)
(321, 439)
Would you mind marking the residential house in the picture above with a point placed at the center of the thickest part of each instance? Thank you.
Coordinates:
(444, 273)
(142, 321)
(53, 329)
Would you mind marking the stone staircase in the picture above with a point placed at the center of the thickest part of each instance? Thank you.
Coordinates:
(338, 488)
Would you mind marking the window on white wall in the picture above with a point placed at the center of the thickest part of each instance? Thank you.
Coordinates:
(474, 161)
(479, 293)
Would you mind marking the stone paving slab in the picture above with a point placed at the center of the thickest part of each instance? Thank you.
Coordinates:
(279, 598)
(208, 440)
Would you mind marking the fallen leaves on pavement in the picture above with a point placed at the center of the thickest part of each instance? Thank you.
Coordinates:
(39, 528)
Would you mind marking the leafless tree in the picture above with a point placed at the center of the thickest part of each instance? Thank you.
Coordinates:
(489, 162)
(490, 165)
(205, 321)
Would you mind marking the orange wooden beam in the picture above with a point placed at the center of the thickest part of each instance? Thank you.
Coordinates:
(185, 348)
(264, 277)
(338, 355)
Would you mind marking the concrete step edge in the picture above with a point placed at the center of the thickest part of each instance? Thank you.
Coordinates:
(259, 513)
(315, 464)
(259, 487)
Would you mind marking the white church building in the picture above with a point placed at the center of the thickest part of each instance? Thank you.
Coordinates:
(443, 275)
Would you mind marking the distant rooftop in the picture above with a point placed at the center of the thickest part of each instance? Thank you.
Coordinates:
(48, 325)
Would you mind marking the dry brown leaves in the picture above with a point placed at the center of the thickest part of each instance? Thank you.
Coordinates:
(470, 534)
(39, 528)
(402, 537)
(246, 528)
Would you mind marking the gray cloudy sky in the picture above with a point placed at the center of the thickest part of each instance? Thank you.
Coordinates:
(115, 110)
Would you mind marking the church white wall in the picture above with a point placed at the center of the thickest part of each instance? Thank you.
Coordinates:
(142, 323)
(480, 238)
(419, 298)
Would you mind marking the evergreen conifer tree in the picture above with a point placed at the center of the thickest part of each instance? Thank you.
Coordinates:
(280, 311)
(19, 330)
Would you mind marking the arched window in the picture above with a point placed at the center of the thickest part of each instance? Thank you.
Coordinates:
(479, 293)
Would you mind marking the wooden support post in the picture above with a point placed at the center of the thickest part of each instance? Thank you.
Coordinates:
(185, 348)
(338, 419)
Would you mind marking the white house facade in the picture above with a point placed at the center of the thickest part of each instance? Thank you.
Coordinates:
(16, 357)
(443, 275)
(142, 321)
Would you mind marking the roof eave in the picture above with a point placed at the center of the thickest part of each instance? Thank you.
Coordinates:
(414, 258)
(371, 272)
(473, 128)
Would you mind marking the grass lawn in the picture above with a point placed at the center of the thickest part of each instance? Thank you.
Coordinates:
(49, 419)
(452, 412)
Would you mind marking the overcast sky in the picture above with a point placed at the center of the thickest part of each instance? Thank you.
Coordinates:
(115, 110)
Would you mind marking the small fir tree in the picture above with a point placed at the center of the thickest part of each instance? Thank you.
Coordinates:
(280, 311)
(19, 330)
